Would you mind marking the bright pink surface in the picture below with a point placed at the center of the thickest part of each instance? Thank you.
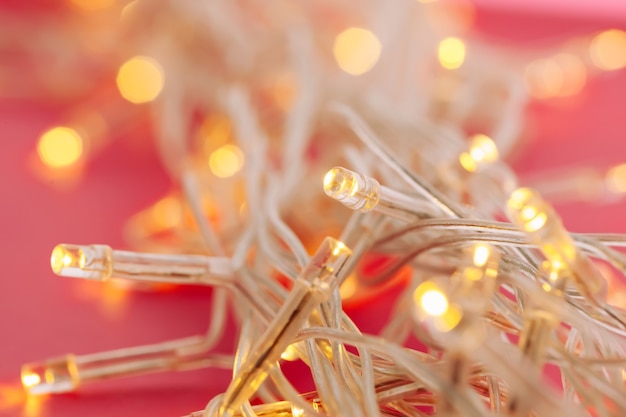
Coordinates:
(42, 315)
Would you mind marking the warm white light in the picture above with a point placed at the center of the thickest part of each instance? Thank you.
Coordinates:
(357, 50)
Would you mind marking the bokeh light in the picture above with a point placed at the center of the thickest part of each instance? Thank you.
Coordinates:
(608, 50)
(60, 147)
(140, 79)
(226, 161)
(451, 53)
(357, 50)
(616, 179)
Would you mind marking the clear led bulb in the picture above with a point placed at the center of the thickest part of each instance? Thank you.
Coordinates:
(352, 189)
(82, 261)
(101, 262)
(54, 376)
(528, 210)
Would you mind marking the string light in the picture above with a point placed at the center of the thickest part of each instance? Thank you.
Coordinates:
(484, 297)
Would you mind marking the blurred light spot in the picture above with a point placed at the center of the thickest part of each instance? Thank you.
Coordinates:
(60, 147)
(140, 79)
(348, 286)
(451, 53)
(93, 5)
(357, 50)
(215, 132)
(167, 213)
(226, 161)
(426, 1)
(616, 179)
(33, 405)
(574, 74)
(12, 397)
(608, 50)
(543, 78)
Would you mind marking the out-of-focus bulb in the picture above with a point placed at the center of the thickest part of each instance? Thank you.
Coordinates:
(60, 147)
(140, 79)
(481, 255)
(482, 151)
(226, 161)
(451, 53)
(53, 376)
(433, 307)
(357, 50)
(608, 50)
(616, 179)
(352, 189)
(527, 209)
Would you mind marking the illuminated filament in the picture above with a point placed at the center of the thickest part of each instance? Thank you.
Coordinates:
(482, 151)
(100, 262)
(474, 282)
(311, 288)
(432, 306)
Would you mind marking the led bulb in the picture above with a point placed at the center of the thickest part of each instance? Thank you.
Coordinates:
(82, 261)
(433, 307)
(474, 282)
(51, 377)
(482, 151)
(354, 190)
(528, 210)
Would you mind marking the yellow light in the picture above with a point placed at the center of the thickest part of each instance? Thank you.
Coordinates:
(92, 5)
(339, 248)
(61, 258)
(616, 179)
(528, 212)
(30, 379)
(608, 50)
(290, 354)
(226, 161)
(296, 411)
(431, 299)
(536, 223)
(451, 53)
(357, 50)
(520, 197)
(140, 79)
(60, 147)
(481, 255)
(482, 150)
